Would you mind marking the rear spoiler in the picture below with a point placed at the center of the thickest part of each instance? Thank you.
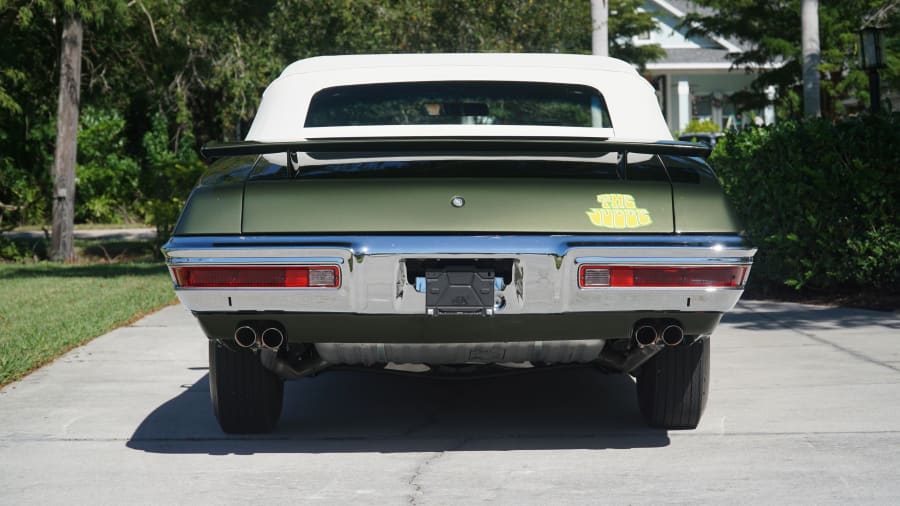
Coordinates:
(469, 146)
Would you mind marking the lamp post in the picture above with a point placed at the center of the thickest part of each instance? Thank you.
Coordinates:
(871, 55)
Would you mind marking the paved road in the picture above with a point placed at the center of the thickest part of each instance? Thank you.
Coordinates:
(805, 408)
(130, 234)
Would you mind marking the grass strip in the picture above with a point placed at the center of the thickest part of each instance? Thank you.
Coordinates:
(48, 309)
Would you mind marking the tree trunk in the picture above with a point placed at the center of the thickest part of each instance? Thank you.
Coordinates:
(809, 19)
(62, 246)
(600, 27)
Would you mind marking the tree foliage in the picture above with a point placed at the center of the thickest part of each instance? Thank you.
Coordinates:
(161, 77)
(772, 29)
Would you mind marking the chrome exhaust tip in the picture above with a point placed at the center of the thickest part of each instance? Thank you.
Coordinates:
(673, 335)
(272, 338)
(645, 335)
(245, 336)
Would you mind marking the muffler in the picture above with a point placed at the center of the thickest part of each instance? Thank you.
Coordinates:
(272, 338)
(672, 335)
(309, 366)
(245, 336)
(645, 335)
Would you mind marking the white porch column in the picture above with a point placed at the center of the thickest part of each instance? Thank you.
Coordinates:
(684, 104)
(670, 111)
(769, 111)
(716, 108)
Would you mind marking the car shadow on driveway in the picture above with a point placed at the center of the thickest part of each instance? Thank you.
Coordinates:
(351, 411)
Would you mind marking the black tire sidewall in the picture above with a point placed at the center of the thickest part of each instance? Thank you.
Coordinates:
(246, 397)
(673, 386)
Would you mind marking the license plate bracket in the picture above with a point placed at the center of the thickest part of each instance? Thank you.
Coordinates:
(459, 290)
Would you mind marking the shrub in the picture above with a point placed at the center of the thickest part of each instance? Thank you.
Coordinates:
(107, 178)
(170, 173)
(820, 200)
(706, 125)
(22, 249)
(21, 197)
(25, 179)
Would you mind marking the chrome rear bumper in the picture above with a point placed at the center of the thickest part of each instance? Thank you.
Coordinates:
(375, 282)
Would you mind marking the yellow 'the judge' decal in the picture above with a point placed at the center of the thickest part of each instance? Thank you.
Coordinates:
(618, 210)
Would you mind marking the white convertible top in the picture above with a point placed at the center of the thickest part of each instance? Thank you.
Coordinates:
(630, 99)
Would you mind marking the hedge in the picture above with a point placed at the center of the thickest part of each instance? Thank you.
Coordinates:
(820, 199)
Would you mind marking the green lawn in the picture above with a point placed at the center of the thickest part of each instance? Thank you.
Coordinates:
(48, 309)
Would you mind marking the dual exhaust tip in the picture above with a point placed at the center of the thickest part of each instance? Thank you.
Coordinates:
(670, 335)
(246, 337)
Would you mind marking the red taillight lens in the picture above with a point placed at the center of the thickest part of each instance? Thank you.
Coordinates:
(594, 276)
(319, 276)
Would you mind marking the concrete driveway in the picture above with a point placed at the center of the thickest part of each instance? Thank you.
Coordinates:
(805, 408)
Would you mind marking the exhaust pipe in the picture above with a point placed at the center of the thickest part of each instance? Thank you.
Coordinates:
(673, 335)
(645, 335)
(245, 336)
(288, 371)
(272, 338)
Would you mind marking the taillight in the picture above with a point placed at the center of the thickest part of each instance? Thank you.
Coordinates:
(318, 276)
(595, 276)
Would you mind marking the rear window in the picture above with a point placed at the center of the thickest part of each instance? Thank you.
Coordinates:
(459, 103)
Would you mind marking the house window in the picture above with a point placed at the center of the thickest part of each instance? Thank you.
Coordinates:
(644, 36)
(701, 107)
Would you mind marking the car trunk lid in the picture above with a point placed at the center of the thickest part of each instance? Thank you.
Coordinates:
(456, 205)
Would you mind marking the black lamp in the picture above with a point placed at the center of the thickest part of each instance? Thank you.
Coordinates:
(871, 58)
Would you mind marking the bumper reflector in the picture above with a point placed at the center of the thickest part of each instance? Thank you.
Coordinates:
(318, 276)
(596, 276)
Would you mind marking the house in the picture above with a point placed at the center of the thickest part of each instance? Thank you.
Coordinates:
(695, 80)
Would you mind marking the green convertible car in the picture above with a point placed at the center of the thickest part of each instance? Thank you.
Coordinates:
(448, 213)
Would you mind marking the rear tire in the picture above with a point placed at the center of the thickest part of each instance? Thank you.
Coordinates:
(246, 397)
(673, 386)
